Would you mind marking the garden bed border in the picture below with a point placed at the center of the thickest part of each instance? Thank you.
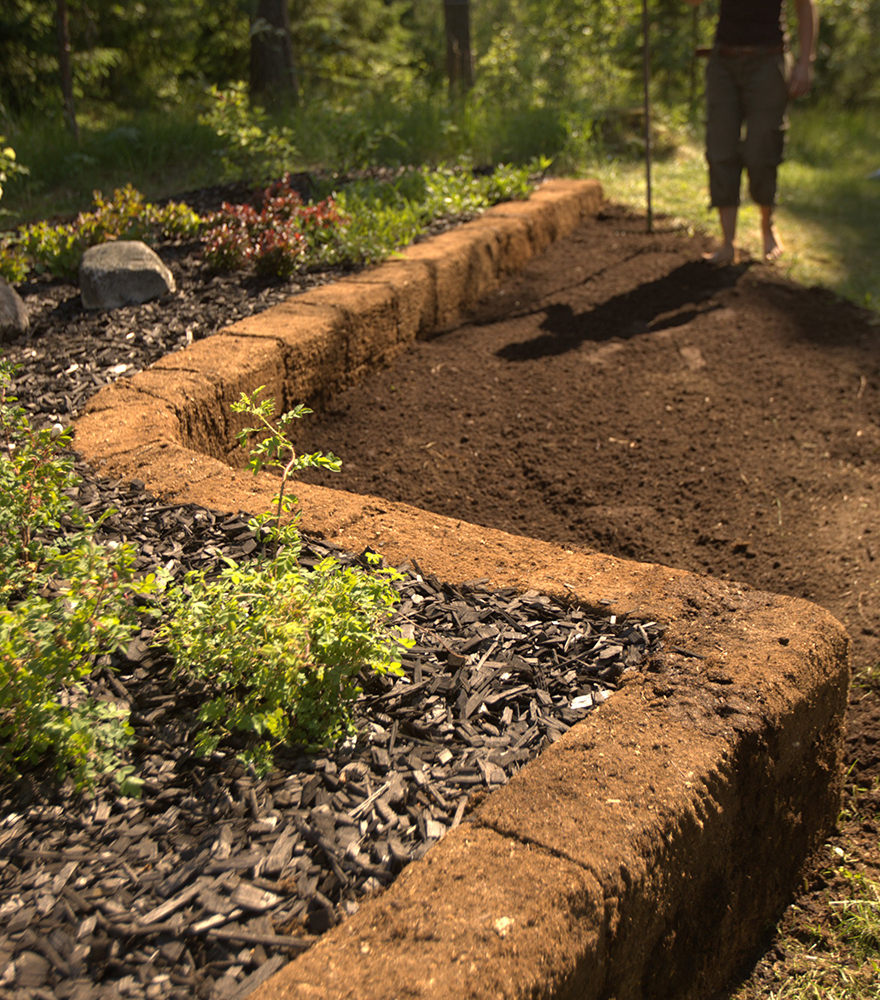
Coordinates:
(644, 853)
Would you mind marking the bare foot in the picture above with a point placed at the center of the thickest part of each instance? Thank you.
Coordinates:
(724, 255)
(773, 248)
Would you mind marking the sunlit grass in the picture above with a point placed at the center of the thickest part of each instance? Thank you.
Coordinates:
(859, 917)
(832, 204)
(829, 214)
(839, 960)
(159, 154)
(868, 677)
(823, 980)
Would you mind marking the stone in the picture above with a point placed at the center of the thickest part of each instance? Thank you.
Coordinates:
(122, 273)
(14, 319)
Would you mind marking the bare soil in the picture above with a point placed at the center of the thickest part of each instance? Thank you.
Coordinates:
(624, 396)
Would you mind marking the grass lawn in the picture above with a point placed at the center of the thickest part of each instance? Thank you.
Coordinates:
(829, 214)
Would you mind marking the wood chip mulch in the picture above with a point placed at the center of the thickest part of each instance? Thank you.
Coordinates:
(214, 878)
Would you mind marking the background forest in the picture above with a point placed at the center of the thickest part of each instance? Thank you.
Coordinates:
(177, 95)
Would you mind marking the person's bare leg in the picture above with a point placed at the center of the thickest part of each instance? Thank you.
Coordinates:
(726, 254)
(773, 247)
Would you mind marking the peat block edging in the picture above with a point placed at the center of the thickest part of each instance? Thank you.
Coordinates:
(644, 853)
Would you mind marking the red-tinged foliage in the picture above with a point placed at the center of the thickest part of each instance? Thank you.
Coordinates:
(275, 239)
(277, 252)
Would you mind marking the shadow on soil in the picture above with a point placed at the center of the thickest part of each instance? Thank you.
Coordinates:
(654, 305)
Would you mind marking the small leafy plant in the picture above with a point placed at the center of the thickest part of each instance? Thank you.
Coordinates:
(363, 223)
(385, 216)
(275, 450)
(253, 147)
(58, 249)
(9, 165)
(65, 601)
(14, 266)
(280, 645)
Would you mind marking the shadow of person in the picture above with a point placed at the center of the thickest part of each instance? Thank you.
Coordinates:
(668, 301)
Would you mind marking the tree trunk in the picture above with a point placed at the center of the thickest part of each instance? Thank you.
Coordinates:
(64, 66)
(459, 58)
(273, 73)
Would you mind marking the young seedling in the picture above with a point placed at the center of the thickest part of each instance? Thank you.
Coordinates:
(275, 450)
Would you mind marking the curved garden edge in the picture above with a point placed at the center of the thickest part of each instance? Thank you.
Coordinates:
(643, 854)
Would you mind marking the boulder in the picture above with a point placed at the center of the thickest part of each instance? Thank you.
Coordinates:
(14, 319)
(122, 273)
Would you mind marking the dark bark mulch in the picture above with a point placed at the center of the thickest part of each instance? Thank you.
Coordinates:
(214, 877)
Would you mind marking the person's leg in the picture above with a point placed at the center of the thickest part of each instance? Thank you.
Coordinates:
(726, 253)
(773, 248)
(765, 97)
(723, 152)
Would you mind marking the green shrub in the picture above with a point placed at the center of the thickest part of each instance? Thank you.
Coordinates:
(364, 222)
(385, 216)
(65, 601)
(175, 220)
(253, 147)
(9, 165)
(13, 263)
(56, 249)
(281, 646)
(59, 249)
(282, 237)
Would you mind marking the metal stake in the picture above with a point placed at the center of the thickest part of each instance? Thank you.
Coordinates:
(647, 53)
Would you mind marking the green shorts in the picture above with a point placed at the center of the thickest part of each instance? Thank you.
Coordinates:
(750, 90)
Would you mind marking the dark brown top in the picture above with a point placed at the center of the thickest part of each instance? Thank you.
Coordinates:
(751, 22)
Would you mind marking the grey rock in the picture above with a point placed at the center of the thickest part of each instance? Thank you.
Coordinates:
(14, 319)
(122, 273)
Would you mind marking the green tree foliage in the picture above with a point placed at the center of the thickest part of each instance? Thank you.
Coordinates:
(27, 55)
(847, 58)
(124, 52)
(371, 73)
(349, 43)
(133, 54)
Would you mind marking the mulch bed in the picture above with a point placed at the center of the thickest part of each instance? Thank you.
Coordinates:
(214, 878)
(70, 353)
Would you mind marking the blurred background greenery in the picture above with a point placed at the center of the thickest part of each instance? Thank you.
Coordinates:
(186, 93)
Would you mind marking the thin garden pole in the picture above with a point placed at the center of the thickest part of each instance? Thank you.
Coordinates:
(647, 52)
(695, 38)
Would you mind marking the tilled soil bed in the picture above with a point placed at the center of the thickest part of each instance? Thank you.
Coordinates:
(623, 396)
